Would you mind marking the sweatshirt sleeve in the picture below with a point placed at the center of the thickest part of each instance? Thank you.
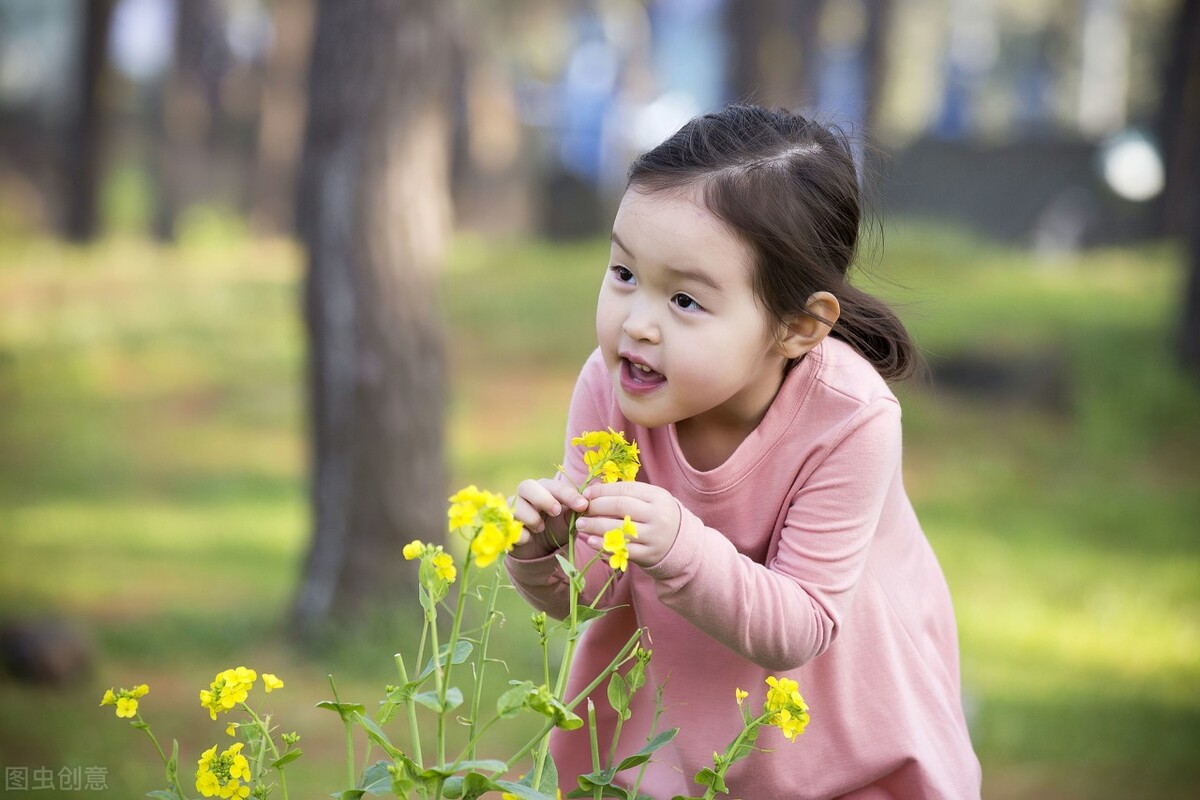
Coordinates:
(782, 614)
(541, 581)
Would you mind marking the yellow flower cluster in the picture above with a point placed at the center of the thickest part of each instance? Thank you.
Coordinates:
(441, 561)
(788, 710)
(487, 520)
(226, 775)
(229, 688)
(616, 542)
(609, 457)
(126, 700)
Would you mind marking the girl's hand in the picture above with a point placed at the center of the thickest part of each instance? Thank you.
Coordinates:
(653, 510)
(543, 507)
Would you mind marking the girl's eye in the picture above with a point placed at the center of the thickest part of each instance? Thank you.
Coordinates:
(621, 273)
(686, 303)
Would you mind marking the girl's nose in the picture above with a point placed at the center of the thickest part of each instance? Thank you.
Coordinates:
(640, 326)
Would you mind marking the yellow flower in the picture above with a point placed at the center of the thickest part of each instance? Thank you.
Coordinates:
(443, 566)
(126, 700)
(791, 724)
(788, 710)
(414, 549)
(226, 775)
(783, 692)
(466, 504)
(740, 695)
(229, 688)
(486, 519)
(271, 682)
(609, 457)
(232, 729)
(615, 542)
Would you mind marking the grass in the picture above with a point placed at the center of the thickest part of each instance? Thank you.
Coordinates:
(152, 467)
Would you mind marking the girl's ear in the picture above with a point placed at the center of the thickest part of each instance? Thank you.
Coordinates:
(805, 331)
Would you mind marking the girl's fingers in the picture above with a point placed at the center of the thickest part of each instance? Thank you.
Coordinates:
(537, 500)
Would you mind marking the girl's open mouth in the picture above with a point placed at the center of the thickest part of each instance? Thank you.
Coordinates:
(638, 378)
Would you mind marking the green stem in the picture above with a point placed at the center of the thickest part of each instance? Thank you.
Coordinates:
(349, 736)
(532, 743)
(431, 618)
(564, 667)
(658, 710)
(620, 658)
(264, 725)
(410, 708)
(612, 750)
(597, 791)
(173, 779)
(469, 750)
(481, 660)
(455, 626)
(733, 748)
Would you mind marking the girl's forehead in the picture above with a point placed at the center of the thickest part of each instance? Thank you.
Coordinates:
(676, 228)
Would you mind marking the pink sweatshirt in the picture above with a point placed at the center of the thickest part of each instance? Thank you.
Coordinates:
(800, 556)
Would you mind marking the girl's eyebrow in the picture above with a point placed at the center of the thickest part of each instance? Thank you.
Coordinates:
(676, 273)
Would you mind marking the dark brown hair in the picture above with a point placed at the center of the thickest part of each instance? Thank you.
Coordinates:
(788, 187)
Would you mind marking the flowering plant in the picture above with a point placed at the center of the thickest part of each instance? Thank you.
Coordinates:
(484, 522)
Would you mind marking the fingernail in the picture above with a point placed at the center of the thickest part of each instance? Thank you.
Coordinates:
(556, 510)
(580, 503)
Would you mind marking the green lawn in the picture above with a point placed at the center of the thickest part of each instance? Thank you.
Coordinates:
(151, 489)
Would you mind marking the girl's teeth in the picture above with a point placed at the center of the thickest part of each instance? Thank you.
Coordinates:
(643, 367)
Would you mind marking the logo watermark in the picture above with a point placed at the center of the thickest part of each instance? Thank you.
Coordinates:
(64, 779)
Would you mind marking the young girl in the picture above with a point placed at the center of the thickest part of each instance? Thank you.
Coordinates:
(774, 533)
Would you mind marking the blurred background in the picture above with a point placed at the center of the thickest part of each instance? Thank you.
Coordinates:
(277, 276)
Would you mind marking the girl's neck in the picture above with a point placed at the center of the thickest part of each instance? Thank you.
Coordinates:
(707, 446)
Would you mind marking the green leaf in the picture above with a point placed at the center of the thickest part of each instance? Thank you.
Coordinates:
(567, 567)
(377, 735)
(747, 746)
(509, 704)
(286, 758)
(345, 710)
(587, 613)
(454, 698)
(522, 791)
(605, 791)
(476, 785)
(618, 695)
(485, 764)
(468, 787)
(709, 777)
(643, 755)
(603, 777)
(462, 651)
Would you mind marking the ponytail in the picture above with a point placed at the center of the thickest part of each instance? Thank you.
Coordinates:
(871, 328)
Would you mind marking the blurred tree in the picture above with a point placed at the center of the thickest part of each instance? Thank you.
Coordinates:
(84, 131)
(774, 51)
(188, 105)
(798, 54)
(374, 213)
(1179, 133)
(282, 118)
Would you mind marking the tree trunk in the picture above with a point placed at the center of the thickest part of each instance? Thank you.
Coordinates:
(374, 213)
(282, 119)
(188, 105)
(85, 137)
(1179, 134)
(774, 51)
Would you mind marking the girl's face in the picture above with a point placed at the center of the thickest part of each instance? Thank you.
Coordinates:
(682, 333)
